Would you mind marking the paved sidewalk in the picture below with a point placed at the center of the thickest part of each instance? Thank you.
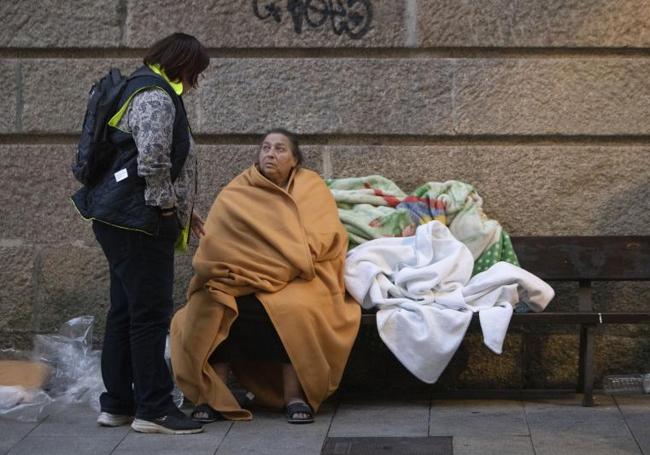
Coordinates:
(479, 426)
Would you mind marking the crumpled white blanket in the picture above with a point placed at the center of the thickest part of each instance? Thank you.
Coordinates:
(425, 295)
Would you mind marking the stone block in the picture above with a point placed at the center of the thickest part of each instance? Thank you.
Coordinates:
(8, 73)
(18, 340)
(621, 354)
(17, 292)
(324, 96)
(55, 92)
(550, 361)
(530, 23)
(552, 96)
(228, 24)
(74, 282)
(47, 23)
(530, 190)
(36, 183)
(485, 369)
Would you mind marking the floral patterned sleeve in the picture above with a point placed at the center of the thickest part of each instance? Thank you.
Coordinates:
(151, 121)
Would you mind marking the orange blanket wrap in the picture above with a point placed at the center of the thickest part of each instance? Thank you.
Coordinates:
(288, 247)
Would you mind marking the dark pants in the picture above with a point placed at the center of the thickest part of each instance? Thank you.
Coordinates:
(135, 374)
(252, 336)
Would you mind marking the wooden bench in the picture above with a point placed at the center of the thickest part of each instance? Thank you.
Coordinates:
(583, 260)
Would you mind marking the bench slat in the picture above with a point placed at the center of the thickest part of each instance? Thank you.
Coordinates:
(603, 258)
(559, 318)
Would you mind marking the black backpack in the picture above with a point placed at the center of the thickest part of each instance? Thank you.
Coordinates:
(95, 153)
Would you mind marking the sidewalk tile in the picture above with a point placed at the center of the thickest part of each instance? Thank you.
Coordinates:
(636, 410)
(493, 445)
(11, 432)
(381, 418)
(205, 443)
(478, 418)
(560, 427)
(64, 445)
(270, 434)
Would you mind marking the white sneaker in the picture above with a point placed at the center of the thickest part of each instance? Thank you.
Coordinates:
(106, 419)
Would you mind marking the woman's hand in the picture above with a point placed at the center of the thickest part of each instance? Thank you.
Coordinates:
(196, 225)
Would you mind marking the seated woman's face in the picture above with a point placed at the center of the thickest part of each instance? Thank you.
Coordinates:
(276, 158)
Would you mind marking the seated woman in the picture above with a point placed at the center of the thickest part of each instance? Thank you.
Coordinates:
(267, 301)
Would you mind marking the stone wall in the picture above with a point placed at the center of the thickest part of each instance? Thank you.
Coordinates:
(543, 106)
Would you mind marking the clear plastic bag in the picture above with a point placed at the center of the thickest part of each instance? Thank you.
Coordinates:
(177, 394)
(77, 368)
(76, 373)
(75, 378)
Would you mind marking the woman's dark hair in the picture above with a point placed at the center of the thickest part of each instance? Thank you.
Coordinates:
(181, 56)
(293, 142)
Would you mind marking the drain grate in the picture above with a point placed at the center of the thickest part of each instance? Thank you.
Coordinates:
(435, 445)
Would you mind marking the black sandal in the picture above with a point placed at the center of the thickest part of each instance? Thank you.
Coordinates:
(299, 407)
(212, 415)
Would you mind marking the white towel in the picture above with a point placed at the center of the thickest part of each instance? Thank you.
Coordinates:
(425, 295)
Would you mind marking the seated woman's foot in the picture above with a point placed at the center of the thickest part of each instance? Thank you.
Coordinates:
(204, 413)
(299, 412)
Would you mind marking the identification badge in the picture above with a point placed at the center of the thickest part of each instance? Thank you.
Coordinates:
(121, 175)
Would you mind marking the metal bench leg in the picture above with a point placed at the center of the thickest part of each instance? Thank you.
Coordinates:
(585, 369)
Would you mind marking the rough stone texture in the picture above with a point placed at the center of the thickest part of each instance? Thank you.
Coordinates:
(228, 24)
(18, 340)
(375, 96)
(531, 23)
(327, 96)
(9, 109)
(49, 23)
(551, 360)
(485, 369)
(74, 282)
(36, 182)
(55, 91)
(17, 291)
(552, 96)
(621, 354)
(50, 253)
(531, 190)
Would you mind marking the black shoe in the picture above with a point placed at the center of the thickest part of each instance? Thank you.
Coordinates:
(173, 423)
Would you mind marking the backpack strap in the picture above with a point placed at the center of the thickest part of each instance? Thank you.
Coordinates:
(141, 79)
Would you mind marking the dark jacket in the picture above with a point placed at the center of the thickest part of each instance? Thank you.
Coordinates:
(118, 198)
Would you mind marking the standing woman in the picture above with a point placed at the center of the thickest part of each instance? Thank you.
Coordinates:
(141, 207)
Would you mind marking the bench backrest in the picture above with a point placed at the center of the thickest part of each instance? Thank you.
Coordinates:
(603, 258)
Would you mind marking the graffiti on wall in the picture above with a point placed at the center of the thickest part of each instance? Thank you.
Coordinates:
(349, 17)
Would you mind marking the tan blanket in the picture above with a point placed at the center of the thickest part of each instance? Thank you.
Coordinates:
(287, 247)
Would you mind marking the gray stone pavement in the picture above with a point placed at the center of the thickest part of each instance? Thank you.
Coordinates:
(545, 426)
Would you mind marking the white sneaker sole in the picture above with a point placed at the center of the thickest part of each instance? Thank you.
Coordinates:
(145, 426)
(113, 420)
